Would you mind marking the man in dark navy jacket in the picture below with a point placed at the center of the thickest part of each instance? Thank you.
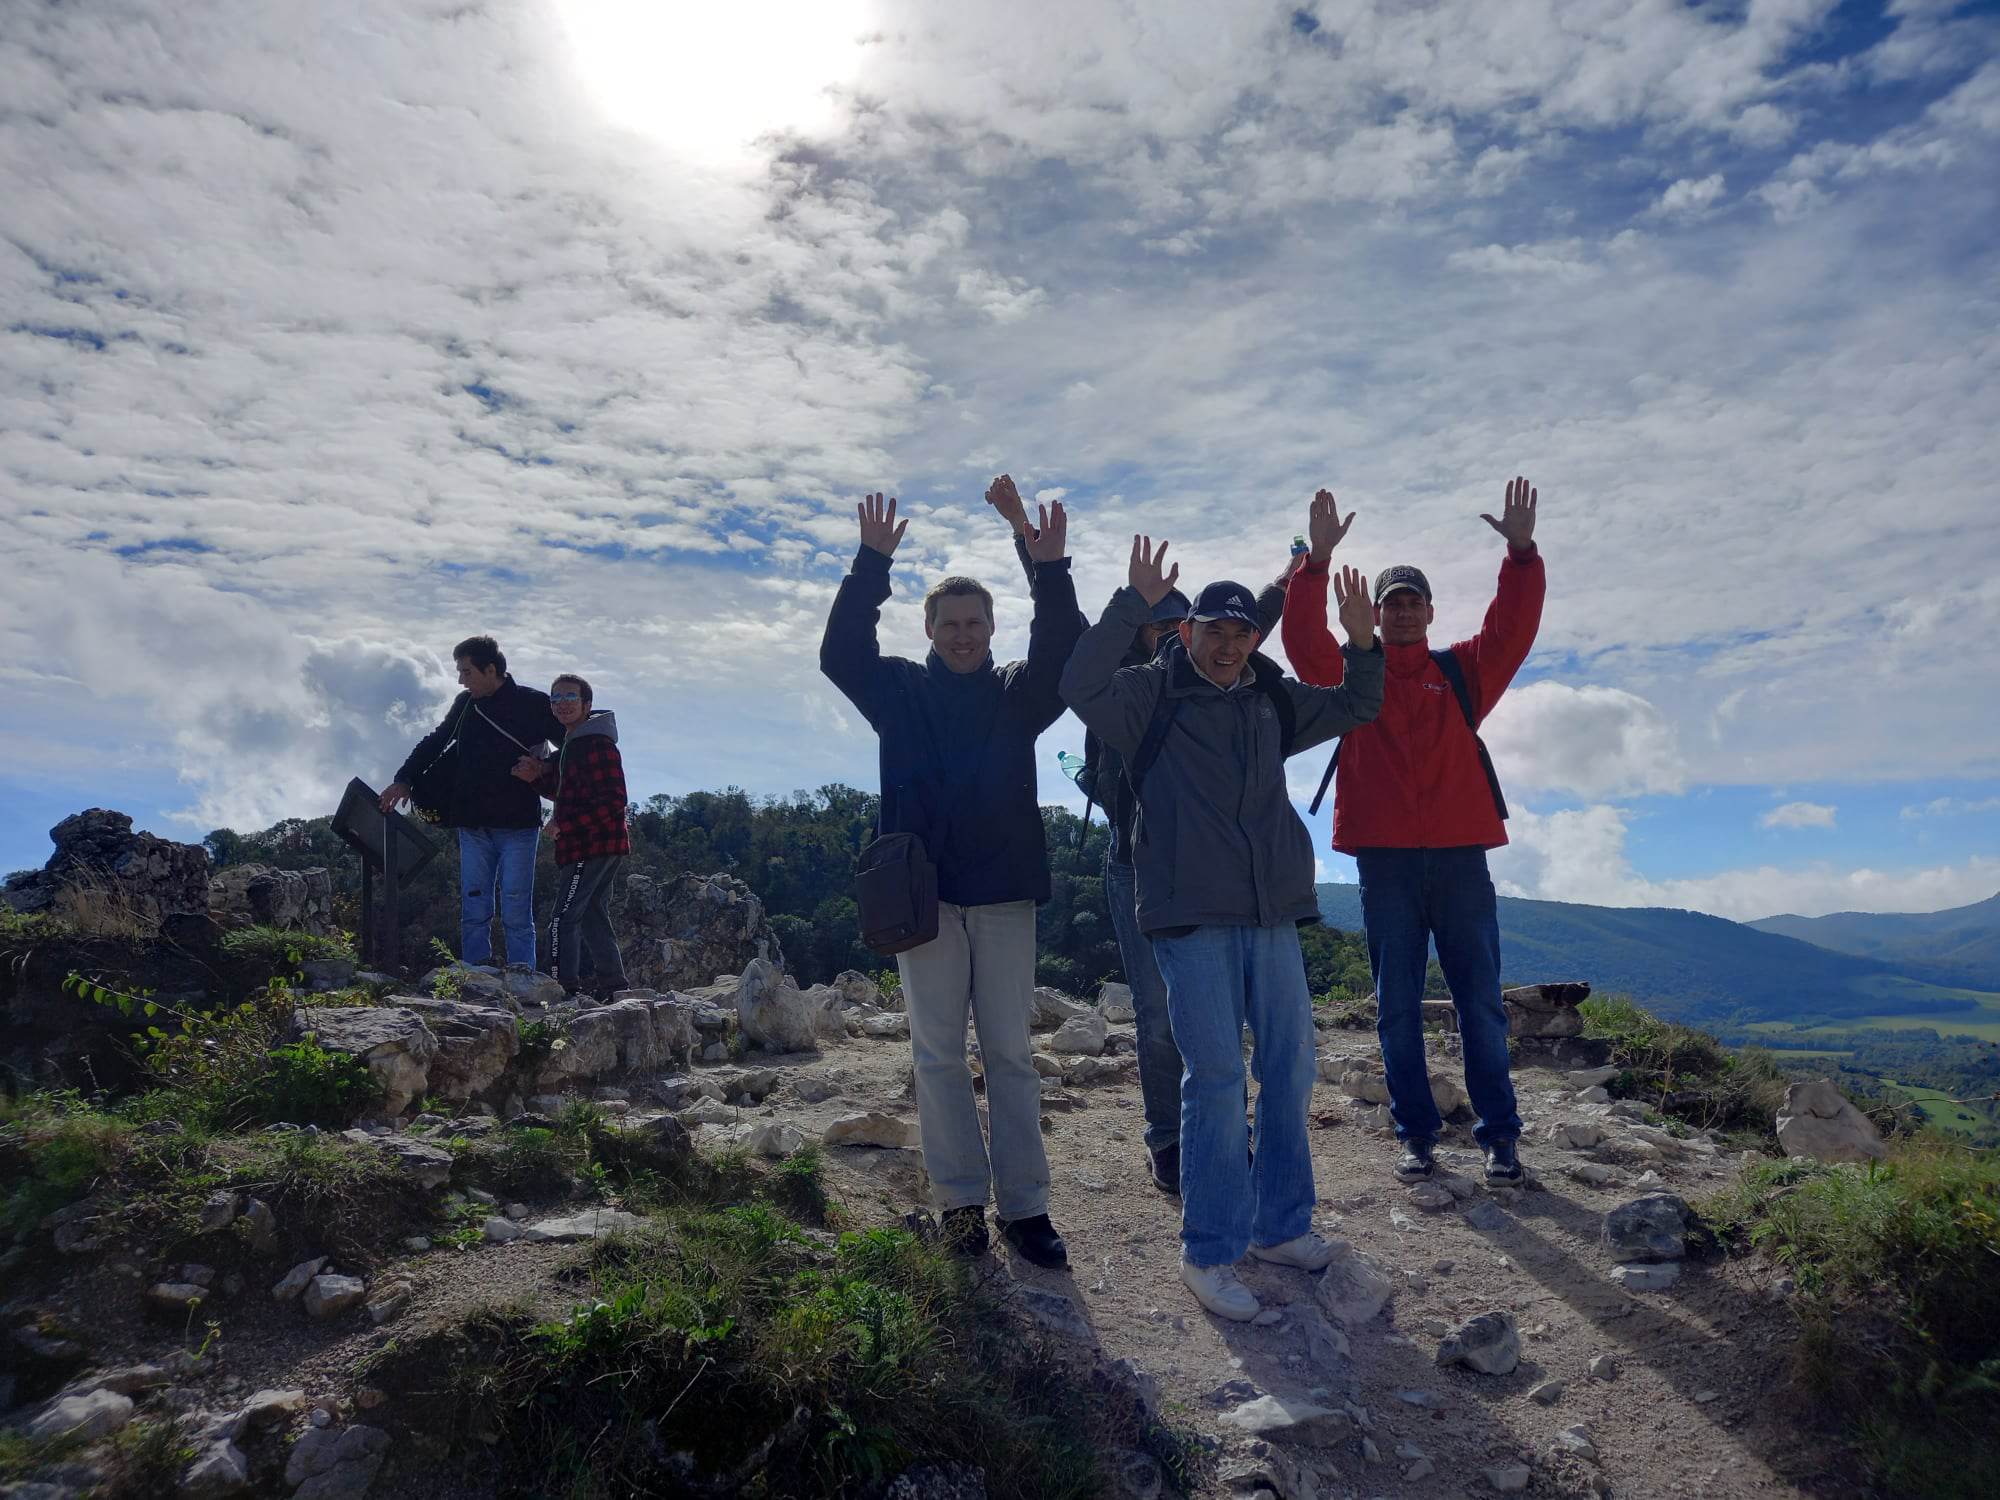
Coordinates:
(958, 767)
(495, 721)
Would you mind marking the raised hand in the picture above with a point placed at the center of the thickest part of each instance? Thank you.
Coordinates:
(1146, 571)
(1049, 541)
(1326, 528)
(1357, 613)
(879, 527)
(1517, 517)
(1005, 499)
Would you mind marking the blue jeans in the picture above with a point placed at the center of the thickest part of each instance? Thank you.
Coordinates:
(497, 860)
(1159, 1058)
(1219, 977)
(1408, 898)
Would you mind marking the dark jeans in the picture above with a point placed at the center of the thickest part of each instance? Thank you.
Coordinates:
(1408, 898)
(1159, 1058)
(582, 919)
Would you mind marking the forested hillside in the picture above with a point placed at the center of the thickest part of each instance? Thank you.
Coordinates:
(1962, 944)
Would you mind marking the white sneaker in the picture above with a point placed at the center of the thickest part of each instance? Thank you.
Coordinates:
(1217, 1289)
(1308, 1253)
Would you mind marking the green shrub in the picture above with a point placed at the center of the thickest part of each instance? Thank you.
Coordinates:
(1898, 1270)
(310, 1086)
(54, 1148)
(271, 951)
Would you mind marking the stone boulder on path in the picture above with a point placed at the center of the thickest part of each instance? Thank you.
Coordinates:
(1820, 1122)
(1545, 1010)
(773, 1012)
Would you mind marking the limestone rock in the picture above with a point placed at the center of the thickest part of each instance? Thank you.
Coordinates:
(1647, 1276)
(394, 1043)
(1593, 1174)
(508, 988)
(679, 934)
(426, 1166)
(891, 1026)
(475, 1045)
(773, 1013)
(1548, 1393)
(1081, 1035)
(1650, 1228)
(259, 1227)
(1431, 1196)
(1047, 1064)
(1590, 1078)
(1509, 1479)
(829, 1011)
(387, 1302)
(857, 988)
(327, 1464)
(174, 1296)
(1575, 1135)
(99, 857)
(1051, 1008)
(219, 1468)
(1487, 1344)
(1114, 1000)
(626, 1036)
(1052, 1311)
(1363, 1080)
(1545, 1010)
(773, 1138)
(295, 1280)
(1576, 1441)
(330, 1296)
(262, 896)
(1353, 1288)
(1820, 1123)
(85, 1417)
(591, 1224)
(874, 1129)
(708, 1112)
(1290, 1419)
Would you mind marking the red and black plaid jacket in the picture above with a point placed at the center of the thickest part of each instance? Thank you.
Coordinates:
(586, 781)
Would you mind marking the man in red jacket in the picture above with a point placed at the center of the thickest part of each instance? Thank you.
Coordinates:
(585, 780)
(1417, 806)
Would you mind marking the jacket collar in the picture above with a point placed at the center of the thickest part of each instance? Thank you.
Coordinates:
(1412, 660)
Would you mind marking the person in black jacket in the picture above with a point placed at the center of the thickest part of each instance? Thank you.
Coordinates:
(490, 725)
(958, 768)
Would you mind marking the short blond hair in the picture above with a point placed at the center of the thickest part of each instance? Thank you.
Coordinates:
(944, 588)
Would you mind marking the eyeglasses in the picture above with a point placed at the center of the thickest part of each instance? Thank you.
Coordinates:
(565, 697)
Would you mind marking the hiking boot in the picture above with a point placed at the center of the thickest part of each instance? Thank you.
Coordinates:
(1217, 1289)
(1308, 1252)
(1036, 1240)
(1503, 1162)
(964, 1231)
(1417, 1163)
(1167, 1168)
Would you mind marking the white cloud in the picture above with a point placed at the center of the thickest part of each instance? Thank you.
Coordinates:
(1587, 742)
(1564, 260)
(1799, 815)
(1951, 807)
(1580, 855)
(1688, 198)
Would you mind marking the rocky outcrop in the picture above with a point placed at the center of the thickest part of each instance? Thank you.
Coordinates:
(394, 1042)
(678, 934)
(260, 896)
(475, 1046)
(773, 1012)
(1820, 1122)
(511, 988)
(1545, 1010)
(627, 1036)
(103, 872)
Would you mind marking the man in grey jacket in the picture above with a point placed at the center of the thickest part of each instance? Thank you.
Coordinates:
(1225, 875)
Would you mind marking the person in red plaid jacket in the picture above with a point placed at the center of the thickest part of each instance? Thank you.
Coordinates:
(586, 781)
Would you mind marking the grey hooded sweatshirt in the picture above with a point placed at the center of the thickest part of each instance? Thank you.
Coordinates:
(1216, 839)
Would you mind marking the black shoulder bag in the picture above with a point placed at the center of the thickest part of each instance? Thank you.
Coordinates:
(895, 884)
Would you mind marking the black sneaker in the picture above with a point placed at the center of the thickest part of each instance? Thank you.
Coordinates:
(1167, 1168)
(1037, 1241)
(964, 1231)
(1503, 1162)
(1417, 1162)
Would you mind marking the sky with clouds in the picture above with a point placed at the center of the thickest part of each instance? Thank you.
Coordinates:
(332, 334)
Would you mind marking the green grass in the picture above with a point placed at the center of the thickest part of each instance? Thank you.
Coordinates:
(863, 1356)
(1898, 1269)
(1687, 1075)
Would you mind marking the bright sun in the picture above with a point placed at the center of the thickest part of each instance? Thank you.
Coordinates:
(708, 77)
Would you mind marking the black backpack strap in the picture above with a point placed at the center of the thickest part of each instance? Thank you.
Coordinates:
(1447, 663)
(1327, 780)
(1154, 738)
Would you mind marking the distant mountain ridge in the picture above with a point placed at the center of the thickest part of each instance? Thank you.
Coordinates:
(1692, 967)
(1961, 945)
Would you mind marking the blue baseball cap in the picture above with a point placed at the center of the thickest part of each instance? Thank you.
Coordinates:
(1224, 600)
(1170, 610)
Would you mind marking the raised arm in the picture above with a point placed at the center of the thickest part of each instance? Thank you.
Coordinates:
(1515, 615)
(849, 653)
(1117, 704)
(1321, 713)
(1315, 656)
(1057, 623)
(428, 749)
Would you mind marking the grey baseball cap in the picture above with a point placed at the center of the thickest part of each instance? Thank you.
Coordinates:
(1402, 576)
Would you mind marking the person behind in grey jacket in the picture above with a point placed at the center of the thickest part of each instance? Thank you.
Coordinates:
(1225, 875)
